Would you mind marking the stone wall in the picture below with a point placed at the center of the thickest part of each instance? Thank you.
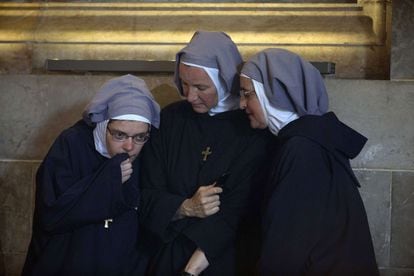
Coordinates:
(37, 105)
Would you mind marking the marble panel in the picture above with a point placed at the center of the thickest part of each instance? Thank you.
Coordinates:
(375, 192)
(13, 263)
(15, 232)
(16, 187)
(402, 58)
(382, 111)
(39, 107)
(402, 237)
(396, 272)
(16, 58)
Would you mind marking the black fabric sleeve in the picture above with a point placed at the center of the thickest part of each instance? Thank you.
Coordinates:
(158, 205)
(67, 198)
(297, 198)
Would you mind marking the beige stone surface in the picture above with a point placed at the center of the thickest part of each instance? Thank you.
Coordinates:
(13, 263)
(353, 35)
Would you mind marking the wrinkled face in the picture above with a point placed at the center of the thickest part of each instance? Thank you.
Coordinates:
(250, 104)
(120, 137)
(198, 88)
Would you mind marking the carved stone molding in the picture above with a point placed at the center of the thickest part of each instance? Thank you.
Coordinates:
(343, 33)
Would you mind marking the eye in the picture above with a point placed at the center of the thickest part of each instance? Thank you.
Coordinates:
(201, 88)
(141, 137)
(246, 93)
(119, 135)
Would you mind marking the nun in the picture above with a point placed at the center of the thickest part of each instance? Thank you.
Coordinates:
(200, 167)
(87, 187)
(313, 218)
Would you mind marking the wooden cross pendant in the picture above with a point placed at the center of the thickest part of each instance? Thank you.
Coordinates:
(206, 153)
(107, 221)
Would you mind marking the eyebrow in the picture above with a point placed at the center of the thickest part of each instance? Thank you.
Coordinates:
(123, 132)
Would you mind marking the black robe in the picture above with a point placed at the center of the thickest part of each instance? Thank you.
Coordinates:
(76, 190)
(173, 170)
(314, 221)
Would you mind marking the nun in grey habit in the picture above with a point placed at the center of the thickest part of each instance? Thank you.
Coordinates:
(87, 188)
(200, 139)
(313, 218)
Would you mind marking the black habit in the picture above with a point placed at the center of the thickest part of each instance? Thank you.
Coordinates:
(76, 190)
(314, 221)
(189, 151)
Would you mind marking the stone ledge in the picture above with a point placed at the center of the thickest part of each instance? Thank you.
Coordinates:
(263, 24)
(30, 33)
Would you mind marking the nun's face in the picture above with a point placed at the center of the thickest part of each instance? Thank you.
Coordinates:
(126, 137)
(250, 104)
(199, 90)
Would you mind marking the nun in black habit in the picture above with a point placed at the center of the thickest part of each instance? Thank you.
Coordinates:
(87, 188)
(193, 216)
(313, 220)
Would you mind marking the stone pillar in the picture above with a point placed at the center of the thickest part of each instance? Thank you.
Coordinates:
(402, 49)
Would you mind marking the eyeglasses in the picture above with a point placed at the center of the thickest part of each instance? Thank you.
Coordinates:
(247, 93)
(119, 136)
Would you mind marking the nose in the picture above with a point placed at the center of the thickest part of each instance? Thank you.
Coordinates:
(192, 95)
(243, 103)
(128, 144)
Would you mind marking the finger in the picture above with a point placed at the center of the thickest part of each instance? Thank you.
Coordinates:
(212, 211)
(126, 161)
(126, 166)
(218, 190)
(125, 178)
(212, 205)
(127, 172)
(209, 199)
(211, 191)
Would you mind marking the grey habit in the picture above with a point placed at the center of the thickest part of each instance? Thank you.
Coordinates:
(215, 50)
(313, 218)
(123, 95)
(291, 83)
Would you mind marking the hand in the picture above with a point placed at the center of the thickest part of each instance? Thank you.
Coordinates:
(197, 263)
(205, 202)
(126, 170)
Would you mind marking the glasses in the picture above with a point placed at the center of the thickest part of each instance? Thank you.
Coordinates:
(247, 93)
(119, 136)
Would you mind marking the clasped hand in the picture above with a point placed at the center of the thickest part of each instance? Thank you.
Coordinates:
(205, 202)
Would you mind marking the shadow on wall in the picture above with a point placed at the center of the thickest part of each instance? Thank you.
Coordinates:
(165, 94)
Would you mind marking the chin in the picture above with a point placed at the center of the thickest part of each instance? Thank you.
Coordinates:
(200, 109)
(257, 125)
(254, 124)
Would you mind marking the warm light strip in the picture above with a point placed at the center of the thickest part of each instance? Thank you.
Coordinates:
(138, 23)
(170, 5)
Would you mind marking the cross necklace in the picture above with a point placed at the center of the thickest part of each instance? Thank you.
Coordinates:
(206, 153)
